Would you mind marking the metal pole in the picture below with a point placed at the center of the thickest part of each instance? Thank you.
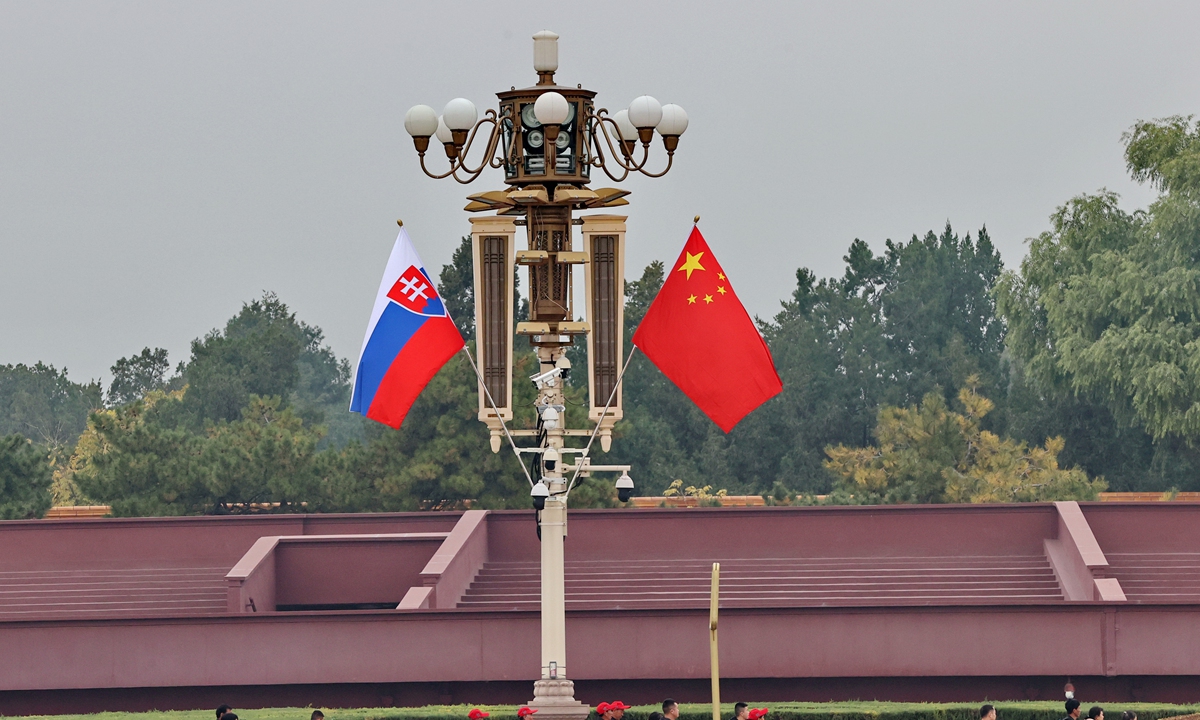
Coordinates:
(712, 641)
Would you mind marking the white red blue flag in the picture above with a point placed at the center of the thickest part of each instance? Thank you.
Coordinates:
(410, 337)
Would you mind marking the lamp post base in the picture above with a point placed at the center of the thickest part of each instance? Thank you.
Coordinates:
(555, 700)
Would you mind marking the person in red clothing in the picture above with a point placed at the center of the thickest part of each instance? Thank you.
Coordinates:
(477, 714)
(602, 711)
(616, 709)
(525, 711)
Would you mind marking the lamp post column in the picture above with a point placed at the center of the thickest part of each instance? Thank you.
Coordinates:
(554, 693)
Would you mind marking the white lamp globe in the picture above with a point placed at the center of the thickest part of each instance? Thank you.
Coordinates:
(421, 121)
(645, 112)
(443, 133)
(551, 108)
(626, 128)
(674, 121)
(460, 114)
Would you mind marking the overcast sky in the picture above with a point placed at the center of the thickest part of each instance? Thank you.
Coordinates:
(162, 163)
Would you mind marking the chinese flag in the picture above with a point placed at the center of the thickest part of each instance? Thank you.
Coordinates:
(697, 332)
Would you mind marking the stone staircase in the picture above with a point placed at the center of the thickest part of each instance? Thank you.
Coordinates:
(123, 592)
(1157, 577)
(778, 582)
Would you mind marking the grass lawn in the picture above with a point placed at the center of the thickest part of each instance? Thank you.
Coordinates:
(779, 711)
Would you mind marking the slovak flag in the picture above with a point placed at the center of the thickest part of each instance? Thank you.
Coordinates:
(410, 337)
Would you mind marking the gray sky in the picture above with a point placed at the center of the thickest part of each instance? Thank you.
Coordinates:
(161, 163)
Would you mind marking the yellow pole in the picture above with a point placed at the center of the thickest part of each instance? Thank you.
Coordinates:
(712, 640)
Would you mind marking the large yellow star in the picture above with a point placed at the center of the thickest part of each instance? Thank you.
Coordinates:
(692, 300)
(692, 263)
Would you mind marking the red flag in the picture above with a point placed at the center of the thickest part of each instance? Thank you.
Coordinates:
(697, 332)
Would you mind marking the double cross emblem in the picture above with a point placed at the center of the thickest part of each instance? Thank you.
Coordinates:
(413, 290)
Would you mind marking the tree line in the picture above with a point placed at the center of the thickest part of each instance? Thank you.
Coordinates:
(927, 373)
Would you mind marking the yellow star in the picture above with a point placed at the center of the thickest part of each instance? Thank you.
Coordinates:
(720, 276)
(721, 290)
(692, 300)
(708, 298)
(692, 263)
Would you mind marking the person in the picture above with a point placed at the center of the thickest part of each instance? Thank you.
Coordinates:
(221, 710)
(1129, 715)
(1072, 709)
(758, 713)
(317, 715)
(602, 711)
(525, 711)
(655, 715)
(229, 716)
(616, 709)
(987, 712)
(741, 711)
(1096, 713)
(670, 709)
(476, 714)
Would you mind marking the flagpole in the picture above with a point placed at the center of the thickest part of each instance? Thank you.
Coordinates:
(712, 641)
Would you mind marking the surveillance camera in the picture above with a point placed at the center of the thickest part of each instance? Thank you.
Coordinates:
(539, 493)
(550, 417)
(564, 364)
(546, 379)
(550, 459)
(624, 487)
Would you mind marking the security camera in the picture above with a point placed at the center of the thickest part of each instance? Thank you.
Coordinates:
(624, 487)
(550, 417)
(563, 363)
(539, 493)
(546, 379)
(550, 459)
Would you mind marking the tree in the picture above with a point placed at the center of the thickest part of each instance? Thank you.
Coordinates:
(1107, 304)
(264, 350)
(139, 459)
(42, 404)
(135, 376)
(24, 479)
(931, 454)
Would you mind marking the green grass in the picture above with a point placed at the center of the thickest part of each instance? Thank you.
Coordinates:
(779, 711)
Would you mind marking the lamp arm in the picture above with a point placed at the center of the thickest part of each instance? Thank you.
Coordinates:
(667, 169)
(489, 118)
(446, 174)
(597, 123)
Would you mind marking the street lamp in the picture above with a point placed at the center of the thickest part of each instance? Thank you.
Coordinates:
(548, 139)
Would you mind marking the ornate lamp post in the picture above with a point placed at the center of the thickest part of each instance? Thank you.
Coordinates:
(548, 139)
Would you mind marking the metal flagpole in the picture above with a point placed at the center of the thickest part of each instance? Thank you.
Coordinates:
(712, 641)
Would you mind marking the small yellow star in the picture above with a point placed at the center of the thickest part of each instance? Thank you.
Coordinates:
(708, 298)
(721, 290)
(692, 300)
(692, 262)
(720, 276)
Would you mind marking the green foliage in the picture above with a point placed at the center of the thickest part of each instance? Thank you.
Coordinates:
(1107, 304)
(929, 454)
(456, 285)
(264, 350)
(42, 404)
(24, 479)
(140, 460)
(135, 376)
